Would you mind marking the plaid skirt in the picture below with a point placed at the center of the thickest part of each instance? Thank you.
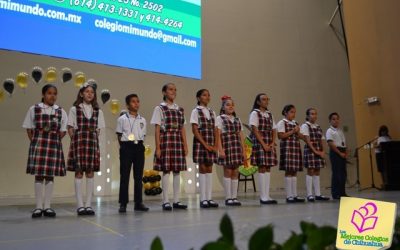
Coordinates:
(290, 155)
(260, 157)
(312, 160)
(172, 153)
(84, 152)
(233, 151)
(46, 157)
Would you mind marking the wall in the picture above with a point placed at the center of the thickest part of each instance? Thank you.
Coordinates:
(282, 47)
(373, 42)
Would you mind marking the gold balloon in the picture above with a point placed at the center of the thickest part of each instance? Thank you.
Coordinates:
(156, 184)
(115, 106)
(147, 186)
(80, 79)
(51, 75)
(147, 173)
(154, 172)
(2, 95)
(147, 152)
(22, 80)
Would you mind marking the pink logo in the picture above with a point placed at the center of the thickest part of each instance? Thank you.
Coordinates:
(363, 218)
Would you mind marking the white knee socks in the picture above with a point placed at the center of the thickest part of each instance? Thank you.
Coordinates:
(209, 186)
(177, 187)
(294, 186)
(309, 182)
(227, 187)
(165, 184)
(203, 186)
(234, 188)
(78, 192)
(262, 184)
(89, 191)
(316, 183)
(39, 194)
(48, 193)
(288, 184)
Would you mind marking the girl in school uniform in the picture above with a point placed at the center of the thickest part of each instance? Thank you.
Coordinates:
(231, 149)
(171, 147)
(204, 145)
(263, 132)
(290, 152)
(84, 124)
(314, 155)
(46, 125)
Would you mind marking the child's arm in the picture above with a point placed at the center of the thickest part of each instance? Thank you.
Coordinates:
(183, 134)
(119, 135)
(243, 149)
(221, 151)
(157, 140)
(284, 135)
(310, 145)
(259, 138)
(71, 131)
(217, 140)
(333, 147)
(197, 135)
(30, 133)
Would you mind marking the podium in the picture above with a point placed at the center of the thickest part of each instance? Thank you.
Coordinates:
(391, 165)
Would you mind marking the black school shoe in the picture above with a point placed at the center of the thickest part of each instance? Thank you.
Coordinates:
(141, 207)
(290, 200)
(268, 202)
(229, 202)
(321, 198)
(89, 211)
(179, 205)
(310, 198)
(212, 203)
(204, 204)
(167, 206)
(298, 199)
(37, 213)
(81, 211)
(122, 209)
(48, 212)
(236, 202)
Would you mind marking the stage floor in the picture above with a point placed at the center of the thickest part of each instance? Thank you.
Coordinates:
(178, 230)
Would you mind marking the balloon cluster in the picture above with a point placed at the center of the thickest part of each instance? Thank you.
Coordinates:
(51, 76)
(151, 182)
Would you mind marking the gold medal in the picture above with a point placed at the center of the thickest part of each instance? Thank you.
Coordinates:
(175, 125)
(46, 129)
(131, 137)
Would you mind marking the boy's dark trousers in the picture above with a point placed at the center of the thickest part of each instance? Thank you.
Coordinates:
(131, 153)
(339, 173)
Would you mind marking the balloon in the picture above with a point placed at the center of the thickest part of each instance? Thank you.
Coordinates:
(1, 95)
(156, 184)
(22, 80)
(115, 107)
(105, 95)
(80, 79)
(147, 151)
(93, 83)
(37, 74)
(147, 172)
(8, 85)
(147, 186)
(67, 75)
(51, 75)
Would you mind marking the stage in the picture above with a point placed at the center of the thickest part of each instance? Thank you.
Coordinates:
(177, 229)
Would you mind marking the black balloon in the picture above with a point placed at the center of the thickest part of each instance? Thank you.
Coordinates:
(37, 75)
(105, 96)
(67, 76)
(9, 86)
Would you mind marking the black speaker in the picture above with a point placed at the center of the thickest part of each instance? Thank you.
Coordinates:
(391, 165)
